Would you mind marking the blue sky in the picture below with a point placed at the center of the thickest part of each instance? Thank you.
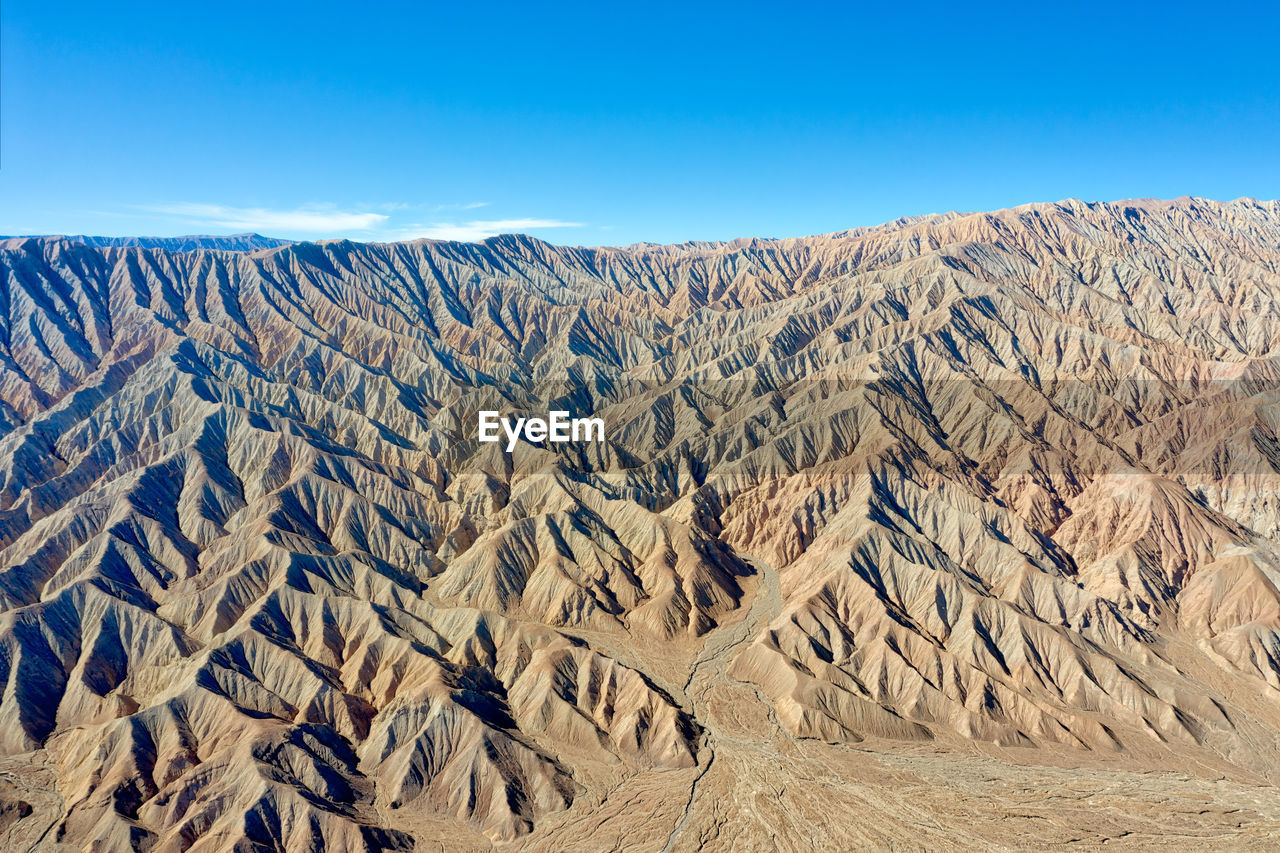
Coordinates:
(610, 123)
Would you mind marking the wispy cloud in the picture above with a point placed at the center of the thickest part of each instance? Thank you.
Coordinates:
(317, 219)
(469, 206)
(479, 229)
(360, 223)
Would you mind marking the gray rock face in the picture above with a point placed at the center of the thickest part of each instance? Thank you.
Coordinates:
(1006, 479)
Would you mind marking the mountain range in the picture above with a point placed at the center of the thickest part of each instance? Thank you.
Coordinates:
(957, 531)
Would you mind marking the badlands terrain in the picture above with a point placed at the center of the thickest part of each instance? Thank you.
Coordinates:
(957, 532)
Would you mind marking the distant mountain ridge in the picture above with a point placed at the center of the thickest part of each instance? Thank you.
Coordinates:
(187, 243)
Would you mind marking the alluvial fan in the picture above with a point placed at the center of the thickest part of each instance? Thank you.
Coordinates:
(936, 532)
